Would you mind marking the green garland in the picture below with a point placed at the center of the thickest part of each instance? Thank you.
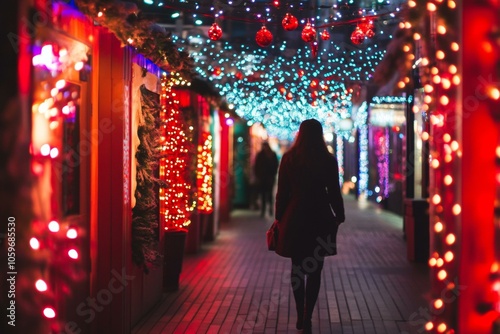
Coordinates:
(125, 21)
(145, 214)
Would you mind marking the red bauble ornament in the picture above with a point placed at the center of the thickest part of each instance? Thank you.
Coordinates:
(289, 22)
(369, 33)
(308, 33)
(217, 71)
(357, 36)
(325, 35)
(264, 37)
(366, 25)
(215, 32)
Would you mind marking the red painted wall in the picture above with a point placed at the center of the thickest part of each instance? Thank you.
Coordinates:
(481, 136)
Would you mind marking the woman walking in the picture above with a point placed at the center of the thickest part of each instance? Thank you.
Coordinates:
(308, 191)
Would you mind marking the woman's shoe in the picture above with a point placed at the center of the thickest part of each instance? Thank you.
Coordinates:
(307, 326)
(300, 324)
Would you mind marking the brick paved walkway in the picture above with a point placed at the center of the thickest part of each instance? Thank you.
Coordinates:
(234, 285)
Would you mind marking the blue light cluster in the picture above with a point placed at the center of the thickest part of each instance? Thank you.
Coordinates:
(281, 87)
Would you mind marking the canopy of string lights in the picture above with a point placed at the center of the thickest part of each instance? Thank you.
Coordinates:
(277, 62)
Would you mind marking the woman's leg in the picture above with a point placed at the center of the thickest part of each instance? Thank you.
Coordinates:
(313, 285)
(298, 287)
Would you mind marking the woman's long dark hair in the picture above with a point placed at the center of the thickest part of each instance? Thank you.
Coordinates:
(310, 148)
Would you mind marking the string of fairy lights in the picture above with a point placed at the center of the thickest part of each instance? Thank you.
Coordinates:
(55, 240)
(278, 86)
(279, 91)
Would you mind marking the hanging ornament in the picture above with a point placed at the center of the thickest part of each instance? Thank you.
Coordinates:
(325, 35)
(357, 36)
(263, 37)
(370, 33)
(365, 25)
(215, 32)
(308, 33)
(289, 22)
(217, 71)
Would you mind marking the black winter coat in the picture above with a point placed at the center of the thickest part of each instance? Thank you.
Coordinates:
(306, 224)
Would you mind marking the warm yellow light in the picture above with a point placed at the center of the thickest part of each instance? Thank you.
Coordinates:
(412, 3)
(436, 79)
(446, 83)
(448, 180)
(431, 7)
(407, 25)
(457, 209)
(440, 54)
(438, 303)
(416, 36)
(452, 69)
(446, 137)
(452, 4)
(432, 262)
(444, 100)
(454, 145)
(401, 84)
(441, 29)
(428, 88)
(448, 256)
(436, 199)
(425, 61)
(429, 326)
(406, 48)
(401, 25)
(441, 327)
(434, 70)
(438, 227)
(494, 93)
(425, 136)
(448, 158)
(454, 46)
(456, 80)
(497, 151)
(450, 239)
(435, 163)
(415, 109)
(441, 275)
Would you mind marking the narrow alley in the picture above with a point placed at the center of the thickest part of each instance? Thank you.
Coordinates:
(235, 285)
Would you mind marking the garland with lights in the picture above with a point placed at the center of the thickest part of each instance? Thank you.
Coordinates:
(126, 22)
(204, 174)
(145, 233)
(175, 206)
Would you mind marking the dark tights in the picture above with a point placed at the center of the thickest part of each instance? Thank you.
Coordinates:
(306, 291)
